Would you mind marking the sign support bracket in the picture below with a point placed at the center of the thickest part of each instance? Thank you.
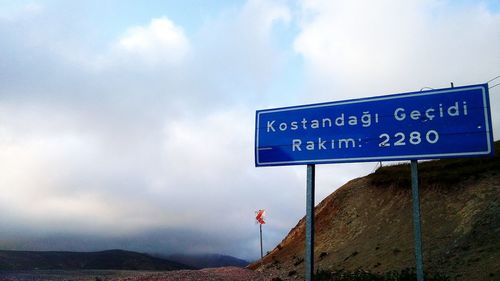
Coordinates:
(309, 253)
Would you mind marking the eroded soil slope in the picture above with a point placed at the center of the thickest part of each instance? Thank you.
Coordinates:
(367, 224)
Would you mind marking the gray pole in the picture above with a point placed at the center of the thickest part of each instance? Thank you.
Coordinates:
(309, 255)
(261, 250)
(416, 220)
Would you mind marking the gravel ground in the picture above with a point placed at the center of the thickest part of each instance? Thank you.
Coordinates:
(209, 274)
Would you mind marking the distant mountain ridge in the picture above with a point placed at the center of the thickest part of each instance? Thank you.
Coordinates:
(110, 259)
(207, 260)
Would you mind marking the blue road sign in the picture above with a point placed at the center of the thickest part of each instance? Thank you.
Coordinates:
(441, 123)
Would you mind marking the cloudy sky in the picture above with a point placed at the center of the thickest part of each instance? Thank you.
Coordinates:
(130, 124)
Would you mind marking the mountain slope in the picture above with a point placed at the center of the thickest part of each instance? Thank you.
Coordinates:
(367, 223)
(207, 260)
(112, 259)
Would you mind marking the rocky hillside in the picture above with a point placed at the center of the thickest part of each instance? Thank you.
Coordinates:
(367, 223)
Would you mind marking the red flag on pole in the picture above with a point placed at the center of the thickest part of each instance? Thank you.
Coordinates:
(260, 216)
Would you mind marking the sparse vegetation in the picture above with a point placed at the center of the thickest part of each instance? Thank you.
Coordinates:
(322, 255)
(298, 261)
(361, 275)
(444, 173)
(355, 253)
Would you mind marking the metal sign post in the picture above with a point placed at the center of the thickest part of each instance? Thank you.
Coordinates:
(416, 220)
(309, 255)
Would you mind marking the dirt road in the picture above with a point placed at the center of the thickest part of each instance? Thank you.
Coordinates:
(210, 274)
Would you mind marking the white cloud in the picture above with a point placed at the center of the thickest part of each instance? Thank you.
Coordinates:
(366, 48)
(237, 51)
(262, 14)
(15, 11)
(160, 41)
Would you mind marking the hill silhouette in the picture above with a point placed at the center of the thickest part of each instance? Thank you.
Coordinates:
(111, 259)
(207, 260)
(367, 223)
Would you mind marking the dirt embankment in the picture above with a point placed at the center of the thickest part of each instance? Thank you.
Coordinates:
(367, 224)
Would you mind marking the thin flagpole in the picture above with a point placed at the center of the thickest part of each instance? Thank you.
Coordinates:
(261, 249)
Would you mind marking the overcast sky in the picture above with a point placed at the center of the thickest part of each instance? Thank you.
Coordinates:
(130, 124)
